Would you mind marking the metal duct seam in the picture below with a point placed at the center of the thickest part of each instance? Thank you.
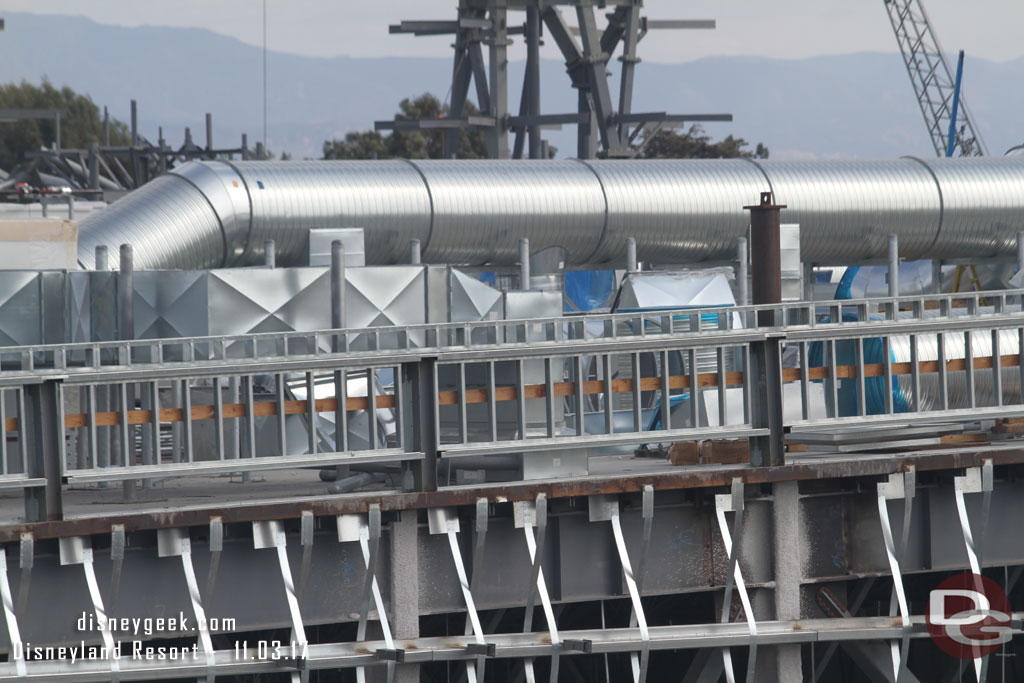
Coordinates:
(604, 226)
(231, 202)
(237, 252)
(847, 209)
(767, 178)
(482, 208)
(169, 221)
(430, 197)
(982, 210)
(942, 209)
(388, 199)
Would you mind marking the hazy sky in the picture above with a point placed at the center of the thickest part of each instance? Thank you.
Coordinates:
(780, 28)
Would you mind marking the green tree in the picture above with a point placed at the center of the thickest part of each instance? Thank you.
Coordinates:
(696, 144)
(415, 144)
(80, 122)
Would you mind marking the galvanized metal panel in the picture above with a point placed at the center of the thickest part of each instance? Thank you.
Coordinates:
(847, 209)
(981, 214)
(21, 307)
(677, 210)
(481, 209)
(388, 199)
(169, 222)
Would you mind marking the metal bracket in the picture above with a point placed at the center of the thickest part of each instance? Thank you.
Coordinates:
(176, 543)
(117, 547)
(367, 530)
(446, 521)
(641, 566)
(608, 508)
(482, 517)
(216, 546)
(526, 515)
(78, 550)
(271, 534)
(307, 551)
(975, 480)
(13, 632)
(733, 502)
(896, 487)
(586, 646)
(27, 561)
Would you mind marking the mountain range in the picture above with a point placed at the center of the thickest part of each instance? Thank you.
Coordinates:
(855, 105)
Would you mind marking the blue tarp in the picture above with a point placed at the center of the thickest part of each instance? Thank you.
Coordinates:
(874, 387)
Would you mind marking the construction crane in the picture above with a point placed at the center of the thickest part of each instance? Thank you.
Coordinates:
(937, 92)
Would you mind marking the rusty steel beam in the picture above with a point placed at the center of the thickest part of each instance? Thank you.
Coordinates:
(704, 477)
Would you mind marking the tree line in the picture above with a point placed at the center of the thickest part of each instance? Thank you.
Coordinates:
(81, 124)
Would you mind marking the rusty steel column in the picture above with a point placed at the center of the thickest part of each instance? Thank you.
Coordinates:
(765, 257)
(765, 371)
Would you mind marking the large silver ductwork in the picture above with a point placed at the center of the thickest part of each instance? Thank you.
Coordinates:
(212, 214)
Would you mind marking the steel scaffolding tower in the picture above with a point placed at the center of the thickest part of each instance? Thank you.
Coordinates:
(932, 80)
(602, 131)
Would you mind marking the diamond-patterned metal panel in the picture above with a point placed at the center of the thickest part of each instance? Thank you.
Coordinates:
(20, 308)
(385, 295)
(170, 303)
(269, 300)
(474, 300)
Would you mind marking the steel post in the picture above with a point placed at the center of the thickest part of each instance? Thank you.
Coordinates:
(135, 143)
(524, 264)
(766, 259)
(209, 132)
(894, 266)
(1020, 250)
(405, 587)
(788, 573)
(126, 330)
(422, 413)
(497, 138)
(766, 356)
(337, 287)
(42, 442)
(632, 265)
(414, 252)
(533, 77)
(742, 274)
(94, 166)
(101, 257)
(808, 281)
(269, 255)
(103, 445)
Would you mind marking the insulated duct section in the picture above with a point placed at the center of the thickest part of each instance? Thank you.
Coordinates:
(212, 214)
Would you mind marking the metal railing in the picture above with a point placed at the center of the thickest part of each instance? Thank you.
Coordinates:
(140, 410)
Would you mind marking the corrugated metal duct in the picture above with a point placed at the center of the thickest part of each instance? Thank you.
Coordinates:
(211, 214)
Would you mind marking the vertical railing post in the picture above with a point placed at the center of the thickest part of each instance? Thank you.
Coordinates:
(126, 330)
(41, 433)
(422, 375)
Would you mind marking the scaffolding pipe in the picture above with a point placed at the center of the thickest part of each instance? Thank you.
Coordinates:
(742, 276)
(269, 258)
(524, 263)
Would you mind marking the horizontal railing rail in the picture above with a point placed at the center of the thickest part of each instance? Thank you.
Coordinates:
(142, 410)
